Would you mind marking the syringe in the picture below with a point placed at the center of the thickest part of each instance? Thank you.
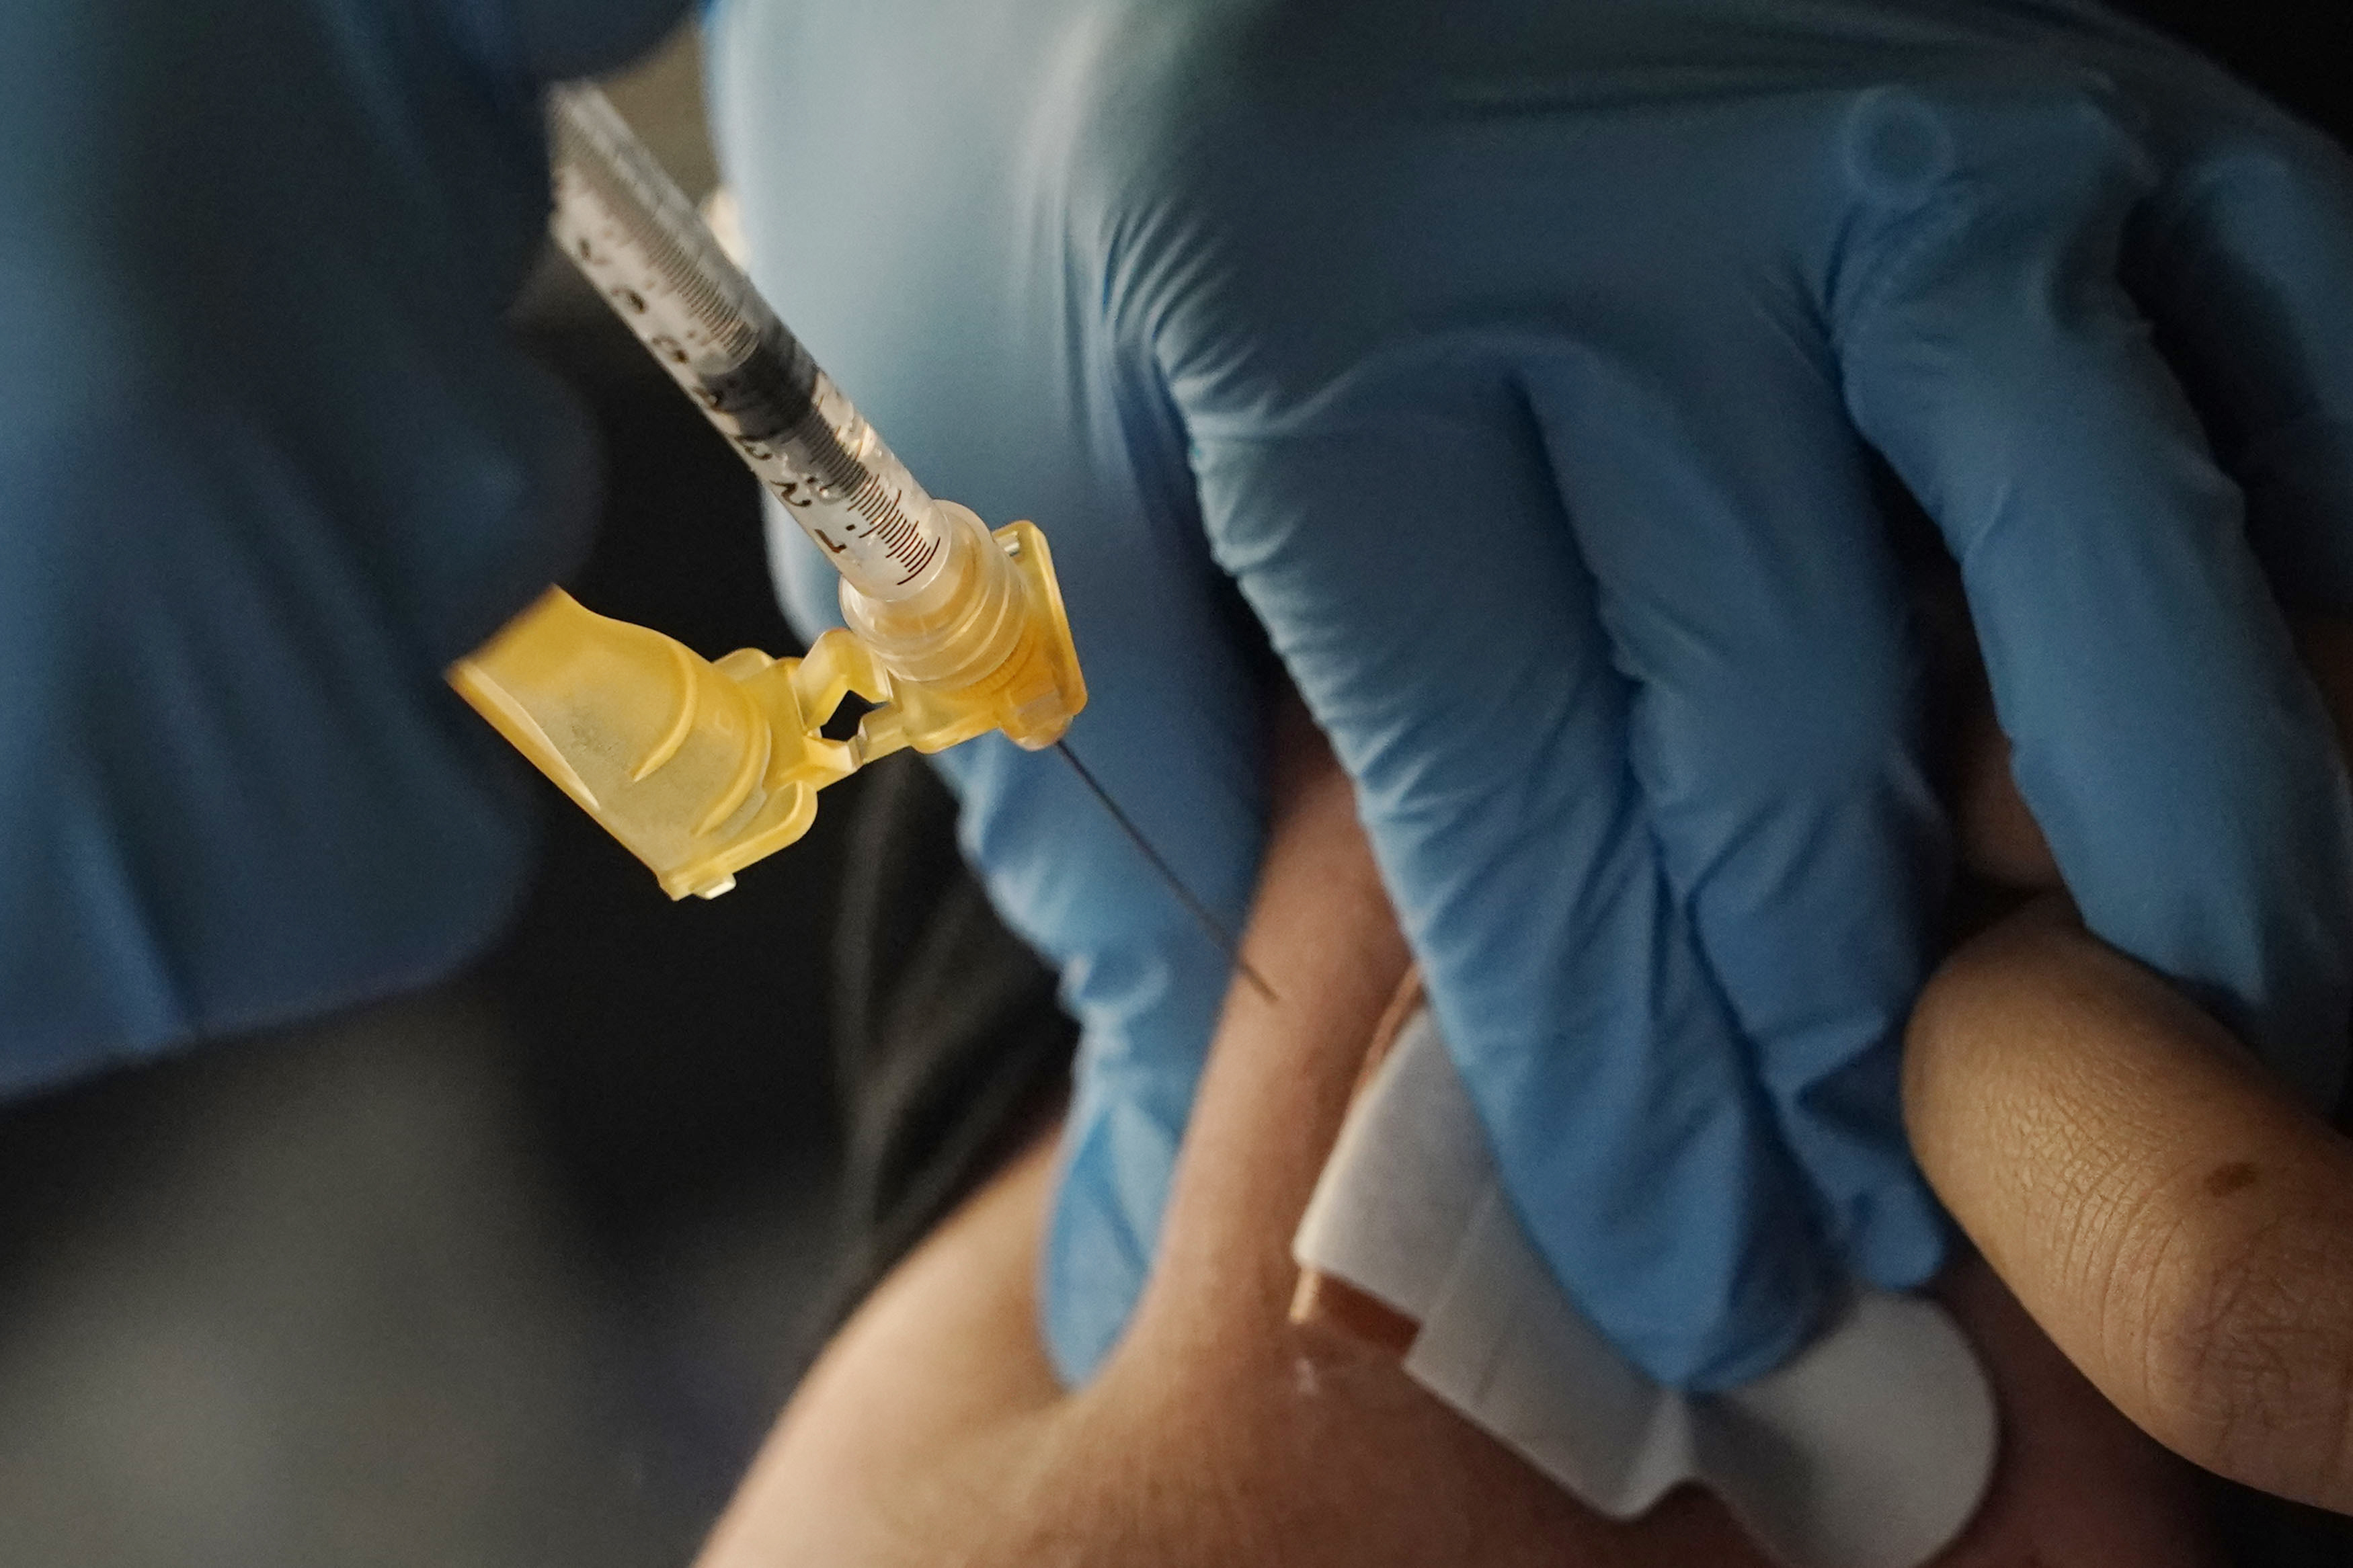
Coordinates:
(630, 232)
(702, 768)
(920, 579)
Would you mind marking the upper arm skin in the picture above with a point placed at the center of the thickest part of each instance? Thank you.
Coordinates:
(931, 1430)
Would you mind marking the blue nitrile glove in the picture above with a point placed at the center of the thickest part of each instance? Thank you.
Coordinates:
(1523, 365)
(268, 461)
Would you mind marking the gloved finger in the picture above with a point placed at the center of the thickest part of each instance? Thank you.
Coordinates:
(1399, 537)
(965, 362)
(1751, 596)
(257, 494)
(1172, 733)
(240, 793)
(365, 343)
(2246, 267)
(2175, 754)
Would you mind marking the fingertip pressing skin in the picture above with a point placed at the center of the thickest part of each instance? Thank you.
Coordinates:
(2179, 1228)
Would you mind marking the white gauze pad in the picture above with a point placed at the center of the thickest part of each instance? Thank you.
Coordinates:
(1870, 1450)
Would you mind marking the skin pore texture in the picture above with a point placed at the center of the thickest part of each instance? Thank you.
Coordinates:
(933, 1432)
(2177, 1224)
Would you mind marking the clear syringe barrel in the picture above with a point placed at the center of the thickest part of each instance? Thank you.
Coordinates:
(629, 230)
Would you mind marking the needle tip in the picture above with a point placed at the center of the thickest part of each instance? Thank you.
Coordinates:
(1215, 932)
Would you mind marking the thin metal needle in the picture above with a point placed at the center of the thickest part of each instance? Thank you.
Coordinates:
(1193, 906)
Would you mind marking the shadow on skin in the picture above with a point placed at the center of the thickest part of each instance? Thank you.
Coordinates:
(933, 1430)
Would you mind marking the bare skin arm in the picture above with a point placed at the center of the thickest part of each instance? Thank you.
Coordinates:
(932, 1431)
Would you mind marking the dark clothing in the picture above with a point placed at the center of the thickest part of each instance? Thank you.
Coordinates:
(949, 1046)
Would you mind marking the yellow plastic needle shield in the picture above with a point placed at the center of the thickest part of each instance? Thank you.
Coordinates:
(701, 768)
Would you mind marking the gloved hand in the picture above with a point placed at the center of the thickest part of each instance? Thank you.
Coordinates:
(1524, 366)
(268, 461)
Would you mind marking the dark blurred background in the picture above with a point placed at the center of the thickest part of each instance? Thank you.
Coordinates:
(515, 1273)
